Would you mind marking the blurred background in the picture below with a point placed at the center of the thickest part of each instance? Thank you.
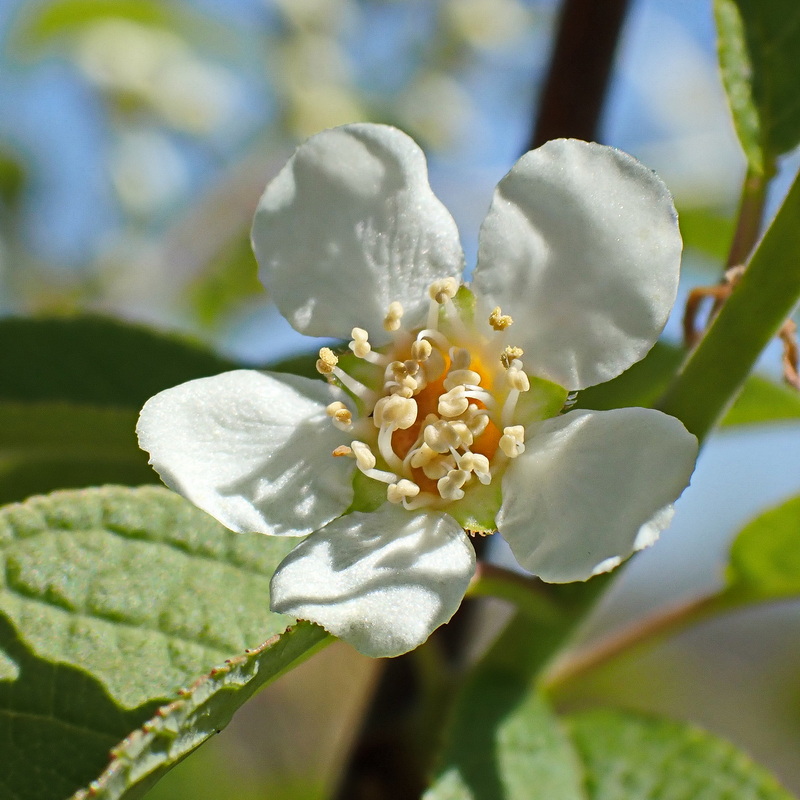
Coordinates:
(135, 139)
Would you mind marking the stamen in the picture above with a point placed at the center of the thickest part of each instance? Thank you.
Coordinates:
(363, 349)
(498, 320)
(461, 377)
(443, 290)
(400, 491)
(518, 382)
(453, 403)
(327, 361)
(349, 382)
(459, 358)
(421, 350)
(393, 316)
(365, 460)
(450, 485)
(512, 442)
(395, 411)
(509, 354)
(477, 420)
(477, 463)
(385, 447)
(438, 468)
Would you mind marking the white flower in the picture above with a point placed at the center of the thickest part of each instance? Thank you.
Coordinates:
(444, 412)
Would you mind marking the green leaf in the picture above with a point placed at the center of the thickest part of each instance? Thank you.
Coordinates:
(198, 713)
(47, 446)
(758, 43)
(135, 586)
(761, 301)
(765, 557)
(96, 360)
(226, 282)
(57, 723)
(502, 738)
(629, 756)
(761, 399)
(55, 19)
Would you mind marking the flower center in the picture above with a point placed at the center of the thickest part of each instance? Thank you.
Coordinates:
(438, 405)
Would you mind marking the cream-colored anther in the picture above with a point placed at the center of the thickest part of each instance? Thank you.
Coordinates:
(343, 419)
(342, 450)
(421, 350)
(443, 435)
(333, 408)
(412, 366)
(476, 420)
(477, 463)
(508, 355)
(459, 358)
(438, 468)
(498, 320)
(453, 403)
(396, 411)
(444, 290)
(327, 361)
(393, 387)
(423, 456)
(391, 321)
(450, 485)
(397, 492)
(512, 442)
(461, 377)
(516, 378)
(360, 346)
(365, 460)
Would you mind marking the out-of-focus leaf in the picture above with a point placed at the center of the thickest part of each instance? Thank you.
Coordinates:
(760, 302)
(135, 586)
(708, 231)
(230, 279)
(13, 177)
(629, 756)
(96, 360)
(198, 713)
(48, 21)
(758, 43)
(47, 446)
(765, 557)
(763, 400)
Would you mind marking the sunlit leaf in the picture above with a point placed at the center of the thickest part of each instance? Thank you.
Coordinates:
(758, 43)
(135, 586)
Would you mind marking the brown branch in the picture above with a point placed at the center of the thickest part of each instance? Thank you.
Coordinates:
(580, 68)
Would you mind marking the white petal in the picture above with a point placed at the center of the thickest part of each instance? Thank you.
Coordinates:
(350, 225)
(252, 449)
(591, 487)
(382, 581)
(581, 247)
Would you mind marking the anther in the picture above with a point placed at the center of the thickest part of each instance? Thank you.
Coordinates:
(393, 316)
(498, 320)
(360, 346)
(453, 403)
(397, 492)
(517, 379)
(327, 361)
(342, 450)
(461, 377)
(421, 350)
(509, 355)
(512, 442)
(459, 358)
(365, 460)
(450, 485)
(443, 290)
(395, 411)
(477, 463)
